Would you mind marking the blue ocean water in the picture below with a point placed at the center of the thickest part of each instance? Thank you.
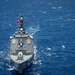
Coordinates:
(52, 24)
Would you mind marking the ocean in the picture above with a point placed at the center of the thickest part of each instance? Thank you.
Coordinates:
(52, 24)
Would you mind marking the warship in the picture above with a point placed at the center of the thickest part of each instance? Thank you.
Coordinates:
(21, 47)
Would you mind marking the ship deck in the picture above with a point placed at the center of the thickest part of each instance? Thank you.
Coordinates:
(18, 61)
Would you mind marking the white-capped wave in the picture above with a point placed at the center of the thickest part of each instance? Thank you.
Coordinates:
(63, 46)
(11, 68)
(48, 48)
(35, 51)
(33, 30)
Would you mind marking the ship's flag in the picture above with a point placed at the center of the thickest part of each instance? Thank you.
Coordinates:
(17, 22)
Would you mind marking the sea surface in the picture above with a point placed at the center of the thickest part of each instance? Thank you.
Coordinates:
(52, 24)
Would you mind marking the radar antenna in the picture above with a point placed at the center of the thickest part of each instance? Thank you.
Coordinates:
(21, 19)
(21, 27)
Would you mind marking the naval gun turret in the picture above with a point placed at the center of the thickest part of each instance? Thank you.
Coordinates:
(21, 48)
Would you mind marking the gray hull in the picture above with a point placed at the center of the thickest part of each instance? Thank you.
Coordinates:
(21, 66)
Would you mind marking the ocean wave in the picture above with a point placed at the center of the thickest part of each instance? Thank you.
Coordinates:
(35, 52)
(33, 30)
